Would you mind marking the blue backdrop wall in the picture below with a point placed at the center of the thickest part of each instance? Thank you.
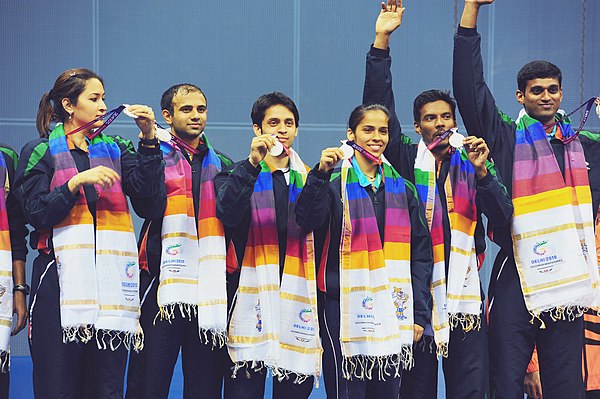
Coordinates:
(313, 50)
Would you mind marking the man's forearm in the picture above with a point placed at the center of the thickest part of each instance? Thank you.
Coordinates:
(469, 15)
(382, 41)
(18, 271)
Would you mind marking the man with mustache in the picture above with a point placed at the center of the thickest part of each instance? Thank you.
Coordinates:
(456, 185)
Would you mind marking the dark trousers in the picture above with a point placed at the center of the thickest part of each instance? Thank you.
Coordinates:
(512, 338)
(250, 384)
(151, 370)
(71, 370)
(336, 386)
(466, 369)
(4, 385)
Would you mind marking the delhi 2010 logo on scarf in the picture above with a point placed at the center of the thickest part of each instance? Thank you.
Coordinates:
(173, 249)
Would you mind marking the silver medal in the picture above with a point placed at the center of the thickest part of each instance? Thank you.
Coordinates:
(346, 149)
(456, 140)
(163, 135)
(276, 149)
(128, 113)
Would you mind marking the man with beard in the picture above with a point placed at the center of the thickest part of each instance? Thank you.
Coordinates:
(456, 186)
(182, 257)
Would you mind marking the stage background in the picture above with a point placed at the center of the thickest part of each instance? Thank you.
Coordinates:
(313, 50)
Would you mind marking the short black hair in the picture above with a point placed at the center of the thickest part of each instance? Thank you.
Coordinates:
(166, 101)
(537, 70)
(266, 101)
(359, 113)
(430, 96)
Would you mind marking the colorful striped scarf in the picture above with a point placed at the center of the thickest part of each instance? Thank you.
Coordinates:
(552, 228)
(456, 297)
(277, 325)
(97, 267)
(192, 267)
(376, 298)
(6, 280)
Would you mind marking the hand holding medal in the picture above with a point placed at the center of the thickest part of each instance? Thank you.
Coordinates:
(144, 118)
(477, 152)
(260, 146)
(330, 157)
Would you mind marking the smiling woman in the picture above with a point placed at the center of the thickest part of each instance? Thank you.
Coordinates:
(372, 218)
(72, 185)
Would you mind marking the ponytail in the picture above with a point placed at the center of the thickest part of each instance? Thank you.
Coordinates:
(44, 115)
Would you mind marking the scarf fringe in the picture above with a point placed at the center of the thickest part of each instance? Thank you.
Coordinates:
(105, 339)
(442, 349)
(281, 374)
(218, 338)
(277, 372)
(254, 365)
(81, 334)
(468, 322)
(4, 361)
(361, 366)
(568, 313)
(167, 312)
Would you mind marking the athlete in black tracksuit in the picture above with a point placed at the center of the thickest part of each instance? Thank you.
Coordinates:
(235, 186)
(18, 233)
(151, 370)
(466, 367)
(67, 368)
(320, 208)
(512, 335)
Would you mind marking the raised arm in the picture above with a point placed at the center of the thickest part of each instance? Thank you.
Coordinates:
(475, 101)
(378, 87)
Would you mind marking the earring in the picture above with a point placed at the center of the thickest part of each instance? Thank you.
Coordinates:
(70, 115)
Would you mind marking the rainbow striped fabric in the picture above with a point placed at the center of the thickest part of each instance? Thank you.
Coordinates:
(6, 281)
(456, 297)
(376, 298)
(97, 266)
(552, 228)
(192, 268)
(277, 325)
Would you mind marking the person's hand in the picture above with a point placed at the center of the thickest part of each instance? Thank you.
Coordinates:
(390, 18)
(417, 333)
(20, 309)
(329, 158)
(144, 119)
(533, 385)
(471, 12)
(259, 148)
(102, 175)
(478, 153)
(479, 2)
